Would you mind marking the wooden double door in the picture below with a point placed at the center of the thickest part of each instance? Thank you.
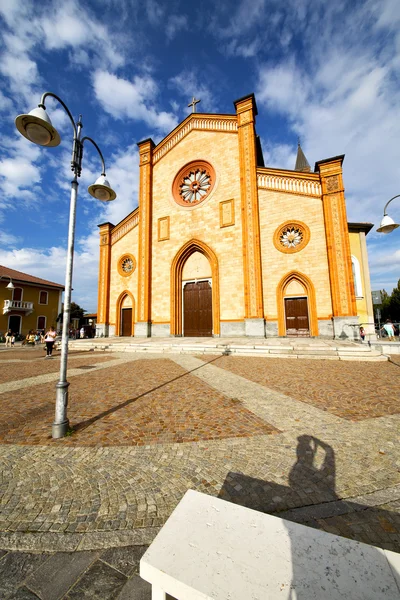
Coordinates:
(197, 309)
(126, 322)
(296, 315)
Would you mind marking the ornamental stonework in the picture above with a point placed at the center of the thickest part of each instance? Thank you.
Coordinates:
(193, 184)
(332, 183)
(291, 236)
(126, 265)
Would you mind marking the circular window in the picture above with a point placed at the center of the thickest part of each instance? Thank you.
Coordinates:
(292, 236)
(193, 184)
(126, 265)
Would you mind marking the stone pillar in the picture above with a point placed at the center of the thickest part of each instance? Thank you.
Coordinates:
(143, 325)
(246, 110)
(103, 301)
(370, 327)
(345, 321)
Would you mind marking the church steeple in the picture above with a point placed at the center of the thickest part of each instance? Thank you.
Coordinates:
(301, 161)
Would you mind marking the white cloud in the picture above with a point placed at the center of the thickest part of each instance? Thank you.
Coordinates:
(174, 24)
(133, 99)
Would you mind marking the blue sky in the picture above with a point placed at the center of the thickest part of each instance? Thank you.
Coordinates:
(328, 72)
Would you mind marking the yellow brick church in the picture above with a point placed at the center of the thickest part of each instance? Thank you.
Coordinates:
(221, 245)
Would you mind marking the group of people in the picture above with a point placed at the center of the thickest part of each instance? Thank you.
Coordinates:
(35, 337)
(388, 328)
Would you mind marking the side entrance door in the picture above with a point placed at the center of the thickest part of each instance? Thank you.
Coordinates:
(126, 322)
(197, 309)
(14, 323)
(296, 311)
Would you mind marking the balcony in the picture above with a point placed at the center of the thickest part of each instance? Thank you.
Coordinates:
(18, 305)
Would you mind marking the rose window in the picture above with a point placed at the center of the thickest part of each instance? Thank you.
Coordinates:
(193, 184)
(127, 265)
(291, 237)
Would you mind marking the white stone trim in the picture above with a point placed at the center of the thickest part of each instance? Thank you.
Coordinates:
(291, 185)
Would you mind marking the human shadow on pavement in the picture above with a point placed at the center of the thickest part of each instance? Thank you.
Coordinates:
(88, 422)
(311, 500)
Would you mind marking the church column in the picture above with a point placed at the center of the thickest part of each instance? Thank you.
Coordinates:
(143, 325)
(103, 301)
(345, 322)
(246, 110)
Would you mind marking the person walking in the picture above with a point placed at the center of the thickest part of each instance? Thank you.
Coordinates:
(9, 336)
(50, 338)
(389, 328)
(362, 333)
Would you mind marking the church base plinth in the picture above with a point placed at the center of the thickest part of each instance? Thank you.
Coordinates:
(232, 329)
(143, 329)
(254, 327)
(160, 330)
(346, 328)
(325, 329)
(102, 330)
(271, 329)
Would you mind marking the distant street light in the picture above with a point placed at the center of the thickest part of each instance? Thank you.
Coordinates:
(387, 224)
(37, 128)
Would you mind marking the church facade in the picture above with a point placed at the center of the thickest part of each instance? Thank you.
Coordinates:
(221, 245)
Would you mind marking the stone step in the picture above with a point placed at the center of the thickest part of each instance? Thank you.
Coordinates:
(356, 353)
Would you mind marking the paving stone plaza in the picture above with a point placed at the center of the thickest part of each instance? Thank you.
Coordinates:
(315, 441)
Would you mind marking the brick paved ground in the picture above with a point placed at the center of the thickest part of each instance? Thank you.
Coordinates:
(302, 439)
(361, 391)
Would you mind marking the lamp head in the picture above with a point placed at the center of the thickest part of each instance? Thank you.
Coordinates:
(10, 286)
(387, 225)
(36, 127)
(101, 190)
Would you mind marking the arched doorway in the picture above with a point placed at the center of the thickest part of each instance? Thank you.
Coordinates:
(197, 296)
(14, 323)
(297, 315)
(125, 312)
(195, 291)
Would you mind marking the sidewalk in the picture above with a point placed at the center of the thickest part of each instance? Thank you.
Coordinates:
(314, 441)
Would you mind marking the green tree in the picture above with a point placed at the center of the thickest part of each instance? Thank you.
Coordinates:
(394, 304)
(77, 312)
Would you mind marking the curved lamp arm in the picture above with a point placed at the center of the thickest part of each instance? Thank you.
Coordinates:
(388, 202)
(98, 150)
(42, 105)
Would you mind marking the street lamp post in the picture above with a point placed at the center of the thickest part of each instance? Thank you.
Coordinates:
(10, 285)
(37, 128)
(387, 224)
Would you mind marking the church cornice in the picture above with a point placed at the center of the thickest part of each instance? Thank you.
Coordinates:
(195, 121)
(289, 182)
(124, 226)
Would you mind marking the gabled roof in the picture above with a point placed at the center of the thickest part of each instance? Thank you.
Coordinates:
(25, 278)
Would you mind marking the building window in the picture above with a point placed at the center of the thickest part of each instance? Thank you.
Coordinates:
(17, 294)
(43, 297)
(357, 277)
(193, 183)
(41, 323)
(291, 236)
(126, 265)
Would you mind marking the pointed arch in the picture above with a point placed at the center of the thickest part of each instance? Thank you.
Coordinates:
(312, 305)
(181, 257)
(120, 301)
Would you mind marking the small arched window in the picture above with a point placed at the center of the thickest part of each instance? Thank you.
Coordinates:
(356, 276)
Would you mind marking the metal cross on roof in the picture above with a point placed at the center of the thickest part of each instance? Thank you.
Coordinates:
(193, 103)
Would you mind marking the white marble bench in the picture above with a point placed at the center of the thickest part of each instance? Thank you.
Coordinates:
(212, 549)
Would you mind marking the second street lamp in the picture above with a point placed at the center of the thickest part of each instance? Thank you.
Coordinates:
(37, 128)
(387, 224)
